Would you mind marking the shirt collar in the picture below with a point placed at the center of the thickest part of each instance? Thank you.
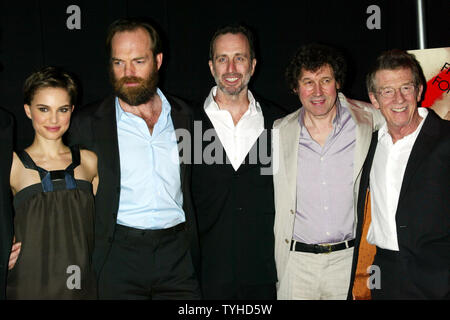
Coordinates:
(337, 121)
(211, 105)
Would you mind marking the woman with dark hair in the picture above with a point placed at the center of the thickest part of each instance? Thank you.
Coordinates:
(53, 187)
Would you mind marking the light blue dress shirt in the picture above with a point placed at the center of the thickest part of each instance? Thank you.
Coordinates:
(150, 183)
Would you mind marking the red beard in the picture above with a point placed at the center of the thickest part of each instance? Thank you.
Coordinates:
(139, 94)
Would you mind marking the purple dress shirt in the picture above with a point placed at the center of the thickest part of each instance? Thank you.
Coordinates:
(325, 183)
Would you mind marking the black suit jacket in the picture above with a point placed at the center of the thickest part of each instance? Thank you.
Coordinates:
(94, 127)
(423, 211)
(6, 221)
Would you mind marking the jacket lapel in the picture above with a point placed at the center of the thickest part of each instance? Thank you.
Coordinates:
(180, 121)
(363, 122)
(106, 135)
(424, 143)
(289, 137)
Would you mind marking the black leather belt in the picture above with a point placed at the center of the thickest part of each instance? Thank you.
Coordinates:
(321, 248)
(128, 231)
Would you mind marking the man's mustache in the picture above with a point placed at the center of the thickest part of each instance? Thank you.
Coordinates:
(125, 80)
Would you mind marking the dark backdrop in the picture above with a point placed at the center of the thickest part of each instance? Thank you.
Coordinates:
(34, 34)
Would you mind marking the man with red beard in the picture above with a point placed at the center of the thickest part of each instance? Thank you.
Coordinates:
(145, 226)
(233, 195)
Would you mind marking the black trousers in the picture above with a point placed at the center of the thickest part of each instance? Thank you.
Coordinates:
(396, 282)
(149, 264)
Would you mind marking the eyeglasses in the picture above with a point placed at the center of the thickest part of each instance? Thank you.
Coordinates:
(406, 90)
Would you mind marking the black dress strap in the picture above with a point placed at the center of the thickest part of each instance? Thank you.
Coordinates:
(69, 175)
(75, 150)
(29, 163)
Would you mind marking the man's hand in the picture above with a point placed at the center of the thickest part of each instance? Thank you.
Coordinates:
(15, 250)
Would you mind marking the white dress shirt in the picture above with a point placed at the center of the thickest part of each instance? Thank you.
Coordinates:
(236, 140)
(386, 177)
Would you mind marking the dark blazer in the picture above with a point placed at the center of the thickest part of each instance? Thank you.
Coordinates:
(423, 211)
(235, 212)
(6, 219)
(94, 127)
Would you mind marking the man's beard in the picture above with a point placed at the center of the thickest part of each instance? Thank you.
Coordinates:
(233, 91)
(137, 95)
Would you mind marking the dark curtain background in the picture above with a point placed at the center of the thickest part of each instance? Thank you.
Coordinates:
(34, 34)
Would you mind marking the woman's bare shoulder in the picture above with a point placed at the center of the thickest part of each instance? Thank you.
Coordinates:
(88, 158)
(88, 155)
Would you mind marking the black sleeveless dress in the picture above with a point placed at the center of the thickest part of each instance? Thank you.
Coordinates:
(54, 220)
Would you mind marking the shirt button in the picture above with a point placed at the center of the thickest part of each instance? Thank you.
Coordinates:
(325, 208)
(286, 240)
(292, 211)
(321, 158)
